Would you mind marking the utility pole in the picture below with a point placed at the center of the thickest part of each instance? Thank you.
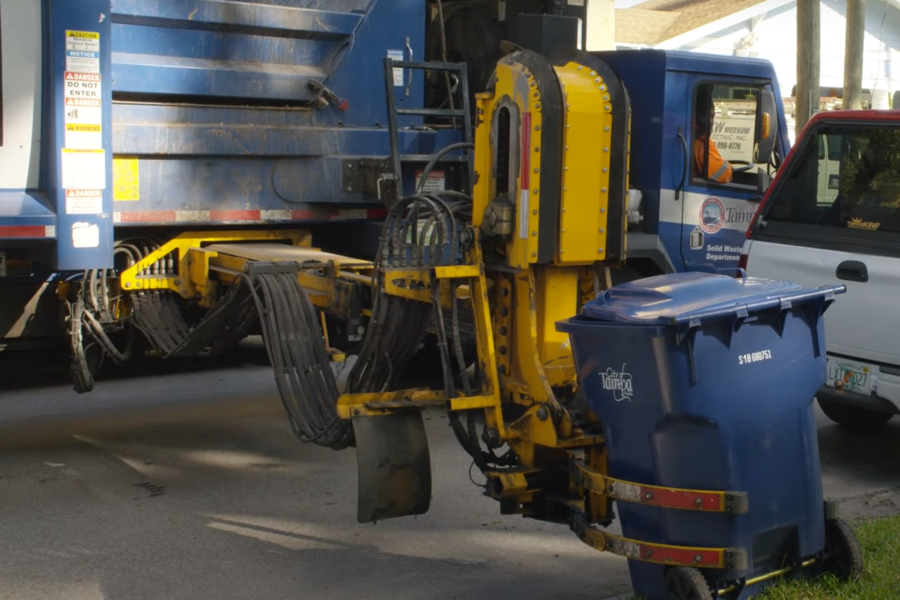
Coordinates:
(599, 25)
(853, 53)
(808, 49)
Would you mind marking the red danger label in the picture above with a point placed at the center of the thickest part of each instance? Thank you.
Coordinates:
(82, 102)
(70, 76)
(83, 193)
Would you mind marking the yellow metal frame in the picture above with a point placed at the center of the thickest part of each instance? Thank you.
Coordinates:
(205, 259)
(369, 404)
(587, 150)
(517, 91)
(193, 267)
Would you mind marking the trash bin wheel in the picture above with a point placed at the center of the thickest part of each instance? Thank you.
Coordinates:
(843, 556)
(686, 583)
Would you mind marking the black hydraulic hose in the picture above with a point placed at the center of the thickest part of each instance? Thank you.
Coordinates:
(435, 158)
(101, 337)
(457, 343)
(294, 388)
(440, 330)
(309, 387)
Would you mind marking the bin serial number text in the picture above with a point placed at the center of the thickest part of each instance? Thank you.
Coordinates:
(753, 357)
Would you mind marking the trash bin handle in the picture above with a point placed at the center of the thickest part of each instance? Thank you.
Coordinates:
(786, 302)
(741, 272)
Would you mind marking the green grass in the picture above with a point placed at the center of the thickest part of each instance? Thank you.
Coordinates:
(880, 542)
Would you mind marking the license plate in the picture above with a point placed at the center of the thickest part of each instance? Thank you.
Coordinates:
(851, 376)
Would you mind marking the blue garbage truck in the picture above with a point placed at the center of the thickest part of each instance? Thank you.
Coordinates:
(127, 124)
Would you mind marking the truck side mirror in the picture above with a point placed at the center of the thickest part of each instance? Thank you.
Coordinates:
(766, 126)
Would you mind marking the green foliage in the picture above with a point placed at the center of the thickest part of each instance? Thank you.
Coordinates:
(880, 541)
(877, 166)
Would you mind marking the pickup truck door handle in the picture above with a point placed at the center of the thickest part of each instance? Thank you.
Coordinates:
(852, 270)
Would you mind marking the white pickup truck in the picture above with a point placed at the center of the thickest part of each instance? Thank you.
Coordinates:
(832, 215)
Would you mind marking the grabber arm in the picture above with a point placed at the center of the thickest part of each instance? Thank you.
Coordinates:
(546, 217)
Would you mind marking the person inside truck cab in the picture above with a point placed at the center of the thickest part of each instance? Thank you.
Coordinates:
(708, 162)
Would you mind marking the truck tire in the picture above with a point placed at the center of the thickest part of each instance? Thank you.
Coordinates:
(853, 418)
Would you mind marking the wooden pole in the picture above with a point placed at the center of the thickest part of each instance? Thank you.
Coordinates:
(808, 49)
(599, 25)
(853, 53)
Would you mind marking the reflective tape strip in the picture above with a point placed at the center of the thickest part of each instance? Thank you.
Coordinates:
(687, 556)
(732, 502)
(246, 216)
(28, 231)
(275, 215)
(234, 215)
(153, 216)
(721, 171)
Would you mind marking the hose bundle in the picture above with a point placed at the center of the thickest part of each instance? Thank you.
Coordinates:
(300, 361)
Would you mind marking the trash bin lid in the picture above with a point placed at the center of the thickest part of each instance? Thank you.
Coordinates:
(681, 298)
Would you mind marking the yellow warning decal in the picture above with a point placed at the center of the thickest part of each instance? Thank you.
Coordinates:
(126, 184)
(87, 128)
(85, 35)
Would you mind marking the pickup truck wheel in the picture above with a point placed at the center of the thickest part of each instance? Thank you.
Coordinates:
(853, 418)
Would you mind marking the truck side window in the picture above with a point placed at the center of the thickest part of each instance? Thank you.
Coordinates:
(847, 178)
(724, 123)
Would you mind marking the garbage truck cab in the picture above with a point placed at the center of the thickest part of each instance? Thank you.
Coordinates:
(689, 219)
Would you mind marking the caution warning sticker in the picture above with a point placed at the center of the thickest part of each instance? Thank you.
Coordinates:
(83, 136)
(83, 169)
(84, 202)
(83, 51)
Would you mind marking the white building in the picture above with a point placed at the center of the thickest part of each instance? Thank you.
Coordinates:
(768, 29)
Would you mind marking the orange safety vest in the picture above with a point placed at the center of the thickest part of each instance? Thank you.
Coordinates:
(718, 169)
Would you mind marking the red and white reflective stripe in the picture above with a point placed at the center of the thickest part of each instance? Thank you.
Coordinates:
(28, 231)
(525, 178)
(245, 216)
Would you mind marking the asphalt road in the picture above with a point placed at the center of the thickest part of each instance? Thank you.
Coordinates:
(190, 485)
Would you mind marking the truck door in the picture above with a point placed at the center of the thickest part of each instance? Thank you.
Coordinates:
(731, 128)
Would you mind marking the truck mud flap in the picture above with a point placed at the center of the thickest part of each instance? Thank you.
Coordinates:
(394, 466)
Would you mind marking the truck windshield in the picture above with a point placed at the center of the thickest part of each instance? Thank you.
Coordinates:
(848, 177)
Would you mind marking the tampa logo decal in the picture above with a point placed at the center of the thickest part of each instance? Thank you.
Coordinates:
(712, 215)
(619, 383)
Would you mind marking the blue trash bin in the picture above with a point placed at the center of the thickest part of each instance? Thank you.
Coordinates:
(706, 382)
